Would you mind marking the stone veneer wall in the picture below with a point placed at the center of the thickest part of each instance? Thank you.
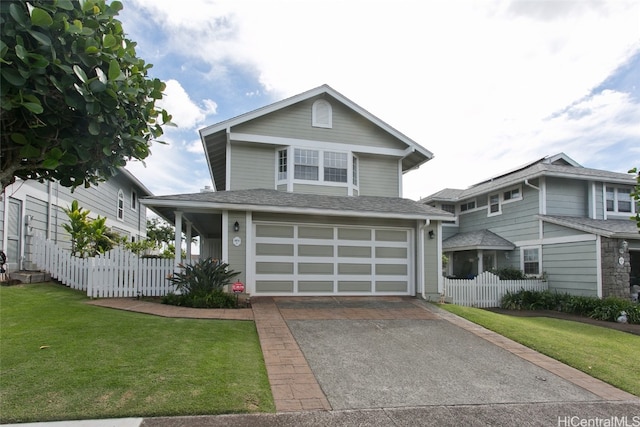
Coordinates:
(615, 277)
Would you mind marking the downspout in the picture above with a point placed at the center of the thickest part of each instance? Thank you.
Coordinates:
(49, 213)
(421, 266)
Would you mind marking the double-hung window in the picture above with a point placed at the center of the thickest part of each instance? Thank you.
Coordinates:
(531, 261)
(282, 165)
(306, 164)
(335, 166)
(494, 204)
(619, 200)
(120, 206)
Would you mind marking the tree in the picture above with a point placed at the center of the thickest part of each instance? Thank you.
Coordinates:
(160, 232)
(636, 195)
(76, 102)
(89, 237)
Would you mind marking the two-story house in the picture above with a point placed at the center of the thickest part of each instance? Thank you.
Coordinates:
(307, 201)
(550, 217)
(29, 207)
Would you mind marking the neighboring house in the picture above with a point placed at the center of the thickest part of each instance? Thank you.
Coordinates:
(29, 207)
(308, 202)
(550, 217)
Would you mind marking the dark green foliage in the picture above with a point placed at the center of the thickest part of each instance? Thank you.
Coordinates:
(602, 309)
(76, 102)
(509, 273)
(201, 285)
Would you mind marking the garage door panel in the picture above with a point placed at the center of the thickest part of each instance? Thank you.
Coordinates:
(391, 269)
(274, 267)
(354, 234)
(354, 251)
(391, 253)
(391, 235)
(274, 249)
(271, 230)
(272, 286)
(315, 268)
(315, 251)
(315, 286)
(354, 286)
(305, 232)
(391, 286)
(354, 268)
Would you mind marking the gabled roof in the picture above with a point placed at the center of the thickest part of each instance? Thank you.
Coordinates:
(474, 240)
(559, 165)
(616, 228)
(415, 153)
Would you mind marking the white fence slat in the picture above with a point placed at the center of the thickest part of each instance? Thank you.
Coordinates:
(486, 289)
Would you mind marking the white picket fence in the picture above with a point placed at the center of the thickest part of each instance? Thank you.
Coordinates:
(486, 289)
(117, 273)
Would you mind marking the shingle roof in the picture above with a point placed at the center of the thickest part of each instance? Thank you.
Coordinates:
(482, 239)
(265, 199)
(626, 228)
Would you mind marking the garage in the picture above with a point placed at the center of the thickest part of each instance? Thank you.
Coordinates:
(321, 259)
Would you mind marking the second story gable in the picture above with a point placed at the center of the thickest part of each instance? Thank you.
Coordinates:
(317, 142)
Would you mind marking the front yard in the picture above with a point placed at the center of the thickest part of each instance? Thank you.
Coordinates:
(603, 353)
(62, 359)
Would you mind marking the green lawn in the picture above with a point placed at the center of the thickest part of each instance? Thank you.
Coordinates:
(62, 359)
(603, 353)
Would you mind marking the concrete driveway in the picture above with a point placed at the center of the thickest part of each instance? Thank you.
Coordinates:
(377, 353)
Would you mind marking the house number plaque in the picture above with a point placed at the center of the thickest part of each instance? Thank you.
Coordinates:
(621, 260)
(237, 241)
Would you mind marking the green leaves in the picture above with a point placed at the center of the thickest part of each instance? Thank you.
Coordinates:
(76, 100)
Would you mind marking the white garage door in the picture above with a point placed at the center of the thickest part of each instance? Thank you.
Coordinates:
(296, 259)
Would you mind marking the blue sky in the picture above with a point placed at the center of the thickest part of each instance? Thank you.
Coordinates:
(485, 86)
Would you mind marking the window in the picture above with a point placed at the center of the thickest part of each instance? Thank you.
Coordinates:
(531, 261)
(468, 206)
(120, 207)
(282, 165)
(321, 114)
(305, 164)
(511, 194)
(494, 204)
(134, 200)
(619, 200)
(335, 166)
(355, 170)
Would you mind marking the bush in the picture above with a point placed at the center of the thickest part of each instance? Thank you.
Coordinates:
(509, 273)
(201, 285)
(601, 309)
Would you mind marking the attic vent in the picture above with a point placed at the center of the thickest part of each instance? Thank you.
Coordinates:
(321, 114)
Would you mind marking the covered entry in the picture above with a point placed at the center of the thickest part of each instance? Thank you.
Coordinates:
(316, 259)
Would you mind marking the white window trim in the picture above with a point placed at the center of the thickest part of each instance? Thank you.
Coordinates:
(120, 211)
(501, 200)
(615, 211)
(499, 211)
(134, 200)
(539, 248)
(475, 202)
(514, 199)
(290, 178)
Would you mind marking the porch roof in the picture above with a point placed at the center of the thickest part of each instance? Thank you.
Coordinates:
(616, 228)
(266, 200)
(474, 240)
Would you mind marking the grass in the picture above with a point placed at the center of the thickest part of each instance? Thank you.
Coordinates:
(603, 353)
(61, 359)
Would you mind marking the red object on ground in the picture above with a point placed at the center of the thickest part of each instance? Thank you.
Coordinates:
(238, 287)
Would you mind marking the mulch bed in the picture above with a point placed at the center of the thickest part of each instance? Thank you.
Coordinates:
(624, 327)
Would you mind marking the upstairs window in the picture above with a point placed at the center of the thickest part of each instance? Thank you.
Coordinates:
(355, 170)
(335, 166)
(306, 164)
(448, 208)
(321, 114)
(619, 200)
(120, 206)
(494, 204)
(282, 165)
(468, 206)
(512, 194)
(134, 200)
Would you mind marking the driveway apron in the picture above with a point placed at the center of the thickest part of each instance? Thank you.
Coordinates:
(387, 352)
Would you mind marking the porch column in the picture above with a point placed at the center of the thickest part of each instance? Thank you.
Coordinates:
(188, 242)
(480, 261)
(178, 240)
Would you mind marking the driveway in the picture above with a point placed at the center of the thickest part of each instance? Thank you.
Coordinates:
(399, 352)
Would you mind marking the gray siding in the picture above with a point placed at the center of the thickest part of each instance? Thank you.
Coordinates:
(326, 190)
(431, 263)
(295, 122)
(252, 166)
(379, 176)
(567, 197)
(571, 267)
(517, 221)
(237, 254)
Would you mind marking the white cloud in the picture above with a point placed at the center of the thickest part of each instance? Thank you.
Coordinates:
(185, 113)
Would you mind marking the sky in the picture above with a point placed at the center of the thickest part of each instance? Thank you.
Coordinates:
(484, 85)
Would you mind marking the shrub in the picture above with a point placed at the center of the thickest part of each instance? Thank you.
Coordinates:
(201, 285)
(601, 309)
(509, 273)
